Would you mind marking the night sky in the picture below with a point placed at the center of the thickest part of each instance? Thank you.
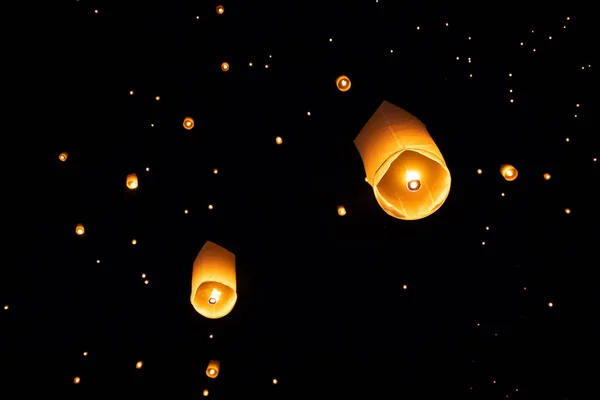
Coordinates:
(493, 296)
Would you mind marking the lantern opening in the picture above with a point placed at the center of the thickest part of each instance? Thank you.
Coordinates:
(414, 185)
(211, 371)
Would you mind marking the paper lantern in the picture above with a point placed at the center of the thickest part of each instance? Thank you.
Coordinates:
(220, 9)
(343, 83)
(63, 156)
(403, 164)
(341, 211)
(132, 181)
(214, 281)
(188, 123)
(212, 371)
(225, 67)
(509, 172)
(79, 229)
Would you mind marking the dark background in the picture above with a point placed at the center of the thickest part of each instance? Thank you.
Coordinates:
(321, 305)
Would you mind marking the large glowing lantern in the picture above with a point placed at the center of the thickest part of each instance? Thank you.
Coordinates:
(188, 123)
(213, 281)
(509, 172)
(212, 371)
(343, 83)
(132, 181)
(403, 164)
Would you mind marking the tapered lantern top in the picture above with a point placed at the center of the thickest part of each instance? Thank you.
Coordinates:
(409, 176)
(214, 281)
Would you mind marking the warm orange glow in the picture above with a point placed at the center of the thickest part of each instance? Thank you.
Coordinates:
(132, 181)
(278, 140)
(509, 172)
(341, 211)
(79, 229)
(547, 177)
(212, 371)
(63, 156)
(274, 381)
(403, 164)
(343, 83)
(567, 211)
(188, 123)
(76, 380)
(220, 10)
(139, 365)
(205, 392)
(225, 67)
(214, 281)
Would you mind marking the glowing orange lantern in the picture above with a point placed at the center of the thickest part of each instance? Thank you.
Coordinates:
(212, 371)
(403, 164)
(343, 83)
(225, 67)
(220, 10)
(341, 211)
(188, 123)
(214, 281)
(509, 172)
(79, 229)
(132, 181)
(63, 156)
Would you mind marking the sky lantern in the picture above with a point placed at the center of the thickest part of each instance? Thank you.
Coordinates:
(341, 211)
(225, 67)
(509, 172)
(63, 156)
(132, 181)
(188, 123)
(403, 164)
(212, 371)
(79, 229)
(220, 10)
(343, 83)
(214, 281)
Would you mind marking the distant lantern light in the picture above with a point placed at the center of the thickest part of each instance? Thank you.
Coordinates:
(567, 211)
(509, 172)
(76, 380)
(63, 156)
(479, 171)
(547, 176)
(403, 164)
(214, 281)
(225, 67)
(212, 371)
(132, 181)
(341, 211)
(278, 140)
(275, 381)
(139, 365)
(220, 10)
(205, 393)
(188, 123)
(343, 83)
(79, 229)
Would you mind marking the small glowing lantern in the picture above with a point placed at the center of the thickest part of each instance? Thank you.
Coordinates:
(343, 83)
(79, 229)
(212, 371)
(188, 123)
(220, 10)
(225, 67)
(76, 380)
(403, 164)
(278, 140)
(547, 176)
(132, 181)
(139, 365)
(509, 172)
(63, 156)
(341, 211)
(205, 392)
(214, 281)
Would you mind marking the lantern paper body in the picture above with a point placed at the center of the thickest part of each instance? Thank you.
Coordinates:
(63, 156)
(214, 281)
(79, 229)
(509, 172)
(132, 181)
(212, 371)
(188, 123)
(398, 152)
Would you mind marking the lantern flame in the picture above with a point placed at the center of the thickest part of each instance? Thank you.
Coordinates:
(214, 297)
(413, 181)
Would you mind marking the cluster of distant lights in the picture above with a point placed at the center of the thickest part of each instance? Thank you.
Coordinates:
(343, 83)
